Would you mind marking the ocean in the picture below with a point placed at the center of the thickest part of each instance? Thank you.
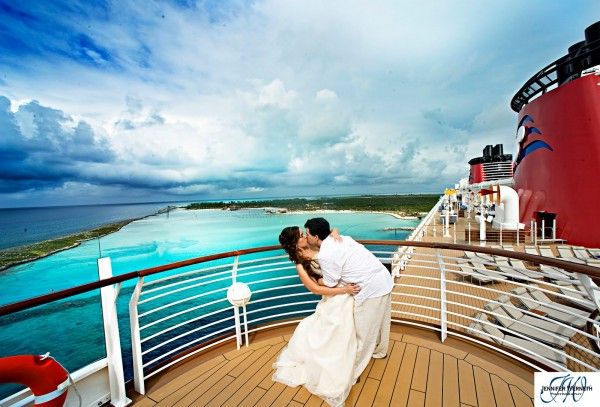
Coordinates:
(21, 226)
(71, 330)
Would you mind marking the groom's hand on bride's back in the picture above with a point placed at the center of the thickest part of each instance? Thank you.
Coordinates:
(353, 288)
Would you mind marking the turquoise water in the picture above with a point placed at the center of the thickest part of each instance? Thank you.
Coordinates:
(72, 329)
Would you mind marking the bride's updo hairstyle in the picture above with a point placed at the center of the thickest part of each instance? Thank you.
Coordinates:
(288, 238)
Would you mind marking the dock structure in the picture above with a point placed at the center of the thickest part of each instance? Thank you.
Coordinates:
(402, 228)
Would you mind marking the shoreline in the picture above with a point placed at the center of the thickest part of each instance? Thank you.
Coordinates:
(9, 256)
(398, 215)
(14, 256)
(34, 247)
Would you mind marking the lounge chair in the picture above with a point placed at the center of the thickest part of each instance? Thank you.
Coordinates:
(595, 253)
(531, 250)
(520, 267)
(478, 275)
(565, 253)
(519, 274)
(550, 271)
(574, 317)
(546, 251)
(476, 328)
(480, 268)
(478, 257)
(583, 254)
(531, 320)
(511, 318)
(542, 297)
(576, 294)
(532, 349)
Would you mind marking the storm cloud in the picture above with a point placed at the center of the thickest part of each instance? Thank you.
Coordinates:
(43, 148)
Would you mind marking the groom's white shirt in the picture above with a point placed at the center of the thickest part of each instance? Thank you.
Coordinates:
(350, 262)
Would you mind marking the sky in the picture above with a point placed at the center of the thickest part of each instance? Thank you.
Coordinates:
(114, 102)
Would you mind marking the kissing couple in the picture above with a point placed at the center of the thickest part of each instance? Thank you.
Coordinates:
(351, 324)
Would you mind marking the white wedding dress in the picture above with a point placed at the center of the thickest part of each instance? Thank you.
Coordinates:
(321, 353)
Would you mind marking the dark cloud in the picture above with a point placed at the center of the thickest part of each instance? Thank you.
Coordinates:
(43, 148)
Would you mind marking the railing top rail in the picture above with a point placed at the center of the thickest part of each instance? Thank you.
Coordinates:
(593, 272)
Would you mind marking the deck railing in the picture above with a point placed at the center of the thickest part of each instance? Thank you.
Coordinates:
(533, 309)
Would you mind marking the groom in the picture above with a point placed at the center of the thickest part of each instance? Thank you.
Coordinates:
(350, 262)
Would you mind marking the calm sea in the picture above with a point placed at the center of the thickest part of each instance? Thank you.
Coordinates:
(21, 226)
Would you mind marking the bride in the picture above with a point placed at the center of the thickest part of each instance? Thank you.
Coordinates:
(320, 354)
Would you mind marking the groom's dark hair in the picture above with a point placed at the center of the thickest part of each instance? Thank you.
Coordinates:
(318, 227)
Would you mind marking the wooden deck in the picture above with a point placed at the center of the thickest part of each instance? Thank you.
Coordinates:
(419, 371)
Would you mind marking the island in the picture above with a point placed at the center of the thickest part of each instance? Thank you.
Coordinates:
(23, 254)
(401, 206)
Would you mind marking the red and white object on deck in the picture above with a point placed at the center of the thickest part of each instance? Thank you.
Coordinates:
(46, 378)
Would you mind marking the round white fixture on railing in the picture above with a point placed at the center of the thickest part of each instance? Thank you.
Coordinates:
(238, 294)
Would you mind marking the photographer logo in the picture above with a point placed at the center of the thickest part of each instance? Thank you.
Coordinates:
(566, 389)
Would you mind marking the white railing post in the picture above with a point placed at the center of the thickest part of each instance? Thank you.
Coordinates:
(554, 229)
(469, 227)
(518, 233)
(136, 342)
(236, 311)
(447, 222)
(482, 227)
(455, 232)
(238, 295)
(443, 315)
(501, 234)
(534, 232)
(246, 326)
(116, 378)
(543, 229)
(238, 327)
(531, 230)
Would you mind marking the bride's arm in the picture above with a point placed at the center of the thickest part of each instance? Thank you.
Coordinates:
(315, 288)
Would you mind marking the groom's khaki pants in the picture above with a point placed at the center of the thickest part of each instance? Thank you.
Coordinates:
(372, 319)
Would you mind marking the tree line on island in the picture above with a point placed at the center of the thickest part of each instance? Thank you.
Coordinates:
(408, 205)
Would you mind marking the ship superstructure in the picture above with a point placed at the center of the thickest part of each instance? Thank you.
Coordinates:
(558, 141)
